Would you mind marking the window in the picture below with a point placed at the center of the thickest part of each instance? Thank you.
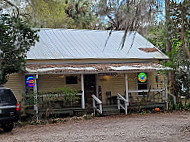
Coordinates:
(7, 96)
(142, 83)
(71, 80)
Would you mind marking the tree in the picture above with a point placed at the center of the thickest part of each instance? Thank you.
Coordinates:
(173, 38)
(80, 11)
(49, 13)
(61, 13)
(167, 25)
(128, 15)
(178, 21)
(16, 38)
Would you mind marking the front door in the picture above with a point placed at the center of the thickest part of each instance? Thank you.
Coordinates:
(89, 88)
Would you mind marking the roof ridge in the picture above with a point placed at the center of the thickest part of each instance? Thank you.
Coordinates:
(82, 30)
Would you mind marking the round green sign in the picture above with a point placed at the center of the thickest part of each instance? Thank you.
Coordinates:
(142, 77)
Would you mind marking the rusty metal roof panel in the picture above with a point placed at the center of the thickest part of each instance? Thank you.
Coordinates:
(93, 68)
(84, 44)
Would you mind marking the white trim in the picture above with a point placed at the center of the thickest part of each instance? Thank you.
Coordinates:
(166, 88)
(35, 89)
(82, 89)
(126, 87)
(152, 90)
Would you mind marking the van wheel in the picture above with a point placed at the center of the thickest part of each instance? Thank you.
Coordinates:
(8, 127)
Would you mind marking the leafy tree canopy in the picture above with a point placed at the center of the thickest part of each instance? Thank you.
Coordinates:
(175, 30)
(16, 38)
(128, 15)
(61, 13)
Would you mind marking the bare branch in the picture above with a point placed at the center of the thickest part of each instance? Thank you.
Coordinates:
(11, 4)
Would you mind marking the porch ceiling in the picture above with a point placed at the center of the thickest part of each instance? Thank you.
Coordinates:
(92, 68)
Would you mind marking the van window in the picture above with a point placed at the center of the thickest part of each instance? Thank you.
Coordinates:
(7, 96)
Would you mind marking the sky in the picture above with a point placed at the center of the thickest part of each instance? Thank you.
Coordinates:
(159, 17)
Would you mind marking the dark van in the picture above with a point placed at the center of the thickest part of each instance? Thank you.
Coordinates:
(9, 109)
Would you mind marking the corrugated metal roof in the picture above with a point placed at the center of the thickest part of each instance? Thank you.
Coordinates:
(80, 44)
(93, 68)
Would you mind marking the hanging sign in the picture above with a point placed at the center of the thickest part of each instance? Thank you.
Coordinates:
(30, 81)
(142, 77)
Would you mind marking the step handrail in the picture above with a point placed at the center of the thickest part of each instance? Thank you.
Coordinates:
(97, 101)
(119, 98)
(174, 97)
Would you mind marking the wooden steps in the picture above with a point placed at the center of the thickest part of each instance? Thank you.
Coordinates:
(113, 110)
(110, 110)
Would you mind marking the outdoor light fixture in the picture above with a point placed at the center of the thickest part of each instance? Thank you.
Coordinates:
(106, 77)
(61, 76)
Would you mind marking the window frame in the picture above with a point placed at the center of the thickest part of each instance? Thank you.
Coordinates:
(74, 76)
(137, 83)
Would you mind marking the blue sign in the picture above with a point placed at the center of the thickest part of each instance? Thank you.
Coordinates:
(30, 81)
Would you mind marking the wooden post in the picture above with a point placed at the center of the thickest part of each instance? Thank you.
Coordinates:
(82, 89)
(127, 92)
(166, 89)
(35, 89)
(118, 103)
(126, 103)
(126, 88)
(94, 105)
(154, 97)
(100, 108)
(97, 93)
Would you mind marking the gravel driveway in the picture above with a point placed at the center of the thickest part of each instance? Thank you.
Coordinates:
(170, 127)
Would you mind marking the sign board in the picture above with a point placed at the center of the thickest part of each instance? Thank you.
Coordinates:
(30, 81)
(142, 77)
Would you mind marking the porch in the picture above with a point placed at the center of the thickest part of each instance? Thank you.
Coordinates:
(101, 88)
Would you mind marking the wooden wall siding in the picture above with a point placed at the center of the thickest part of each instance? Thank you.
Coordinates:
(115, 84)
(152, 80)
(16, 83)
(132, 79)
(51, 82)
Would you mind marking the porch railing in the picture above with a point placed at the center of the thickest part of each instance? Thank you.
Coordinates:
(96, 102)
(174, 97)
(155, 92)
(151, 90)
(120, 105)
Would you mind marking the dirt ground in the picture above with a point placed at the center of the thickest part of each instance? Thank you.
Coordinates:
(159, 127)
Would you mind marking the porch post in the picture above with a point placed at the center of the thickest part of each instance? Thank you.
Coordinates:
(97, 93)
(35, 89)
(126, 88)
(82, 89)
(166, 91)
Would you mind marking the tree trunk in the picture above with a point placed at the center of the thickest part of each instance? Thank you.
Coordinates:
(167, 11)
(168, 45)
(183, 32)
